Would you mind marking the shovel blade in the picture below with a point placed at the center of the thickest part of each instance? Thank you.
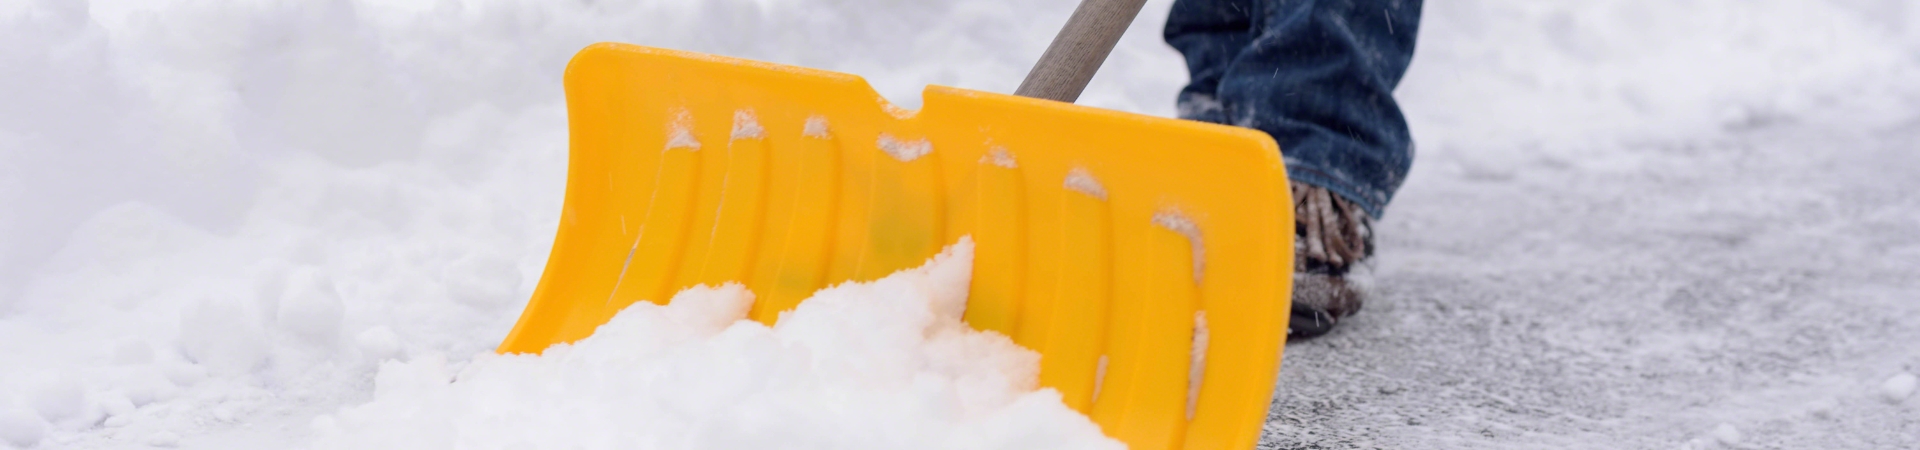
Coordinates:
(1148, 260)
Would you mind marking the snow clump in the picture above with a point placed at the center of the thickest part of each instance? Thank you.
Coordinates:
(1898, 388)
(20, 427)
(885, 364)
(1726, 434)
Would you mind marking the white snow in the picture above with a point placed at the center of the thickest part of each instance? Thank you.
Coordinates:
(133, 352)
(905, 151)
(681, 137)
(1099, 376)
(163, 438)
(1898, 388)
(680, 132)
(816, 127)
(310, 308)
(220, 337)
(1081, 180)
(745, 126)
(378, 343)
(1175, 221)
(481, 281)
(117, 406)
(886, 364)
(1197, 360)
(1726, 434)
(20, 427)
(1629, 221)
(999, 156)
(59, 399)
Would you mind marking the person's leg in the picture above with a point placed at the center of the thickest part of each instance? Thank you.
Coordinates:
(1317, 75)
(1211, 34)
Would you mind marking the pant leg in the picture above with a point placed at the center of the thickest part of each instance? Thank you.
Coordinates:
(1318, 75)
(1210, 33)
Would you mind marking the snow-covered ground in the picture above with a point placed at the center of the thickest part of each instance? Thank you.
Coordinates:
(1632, 223)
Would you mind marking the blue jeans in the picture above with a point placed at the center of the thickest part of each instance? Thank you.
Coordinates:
(1318, 75)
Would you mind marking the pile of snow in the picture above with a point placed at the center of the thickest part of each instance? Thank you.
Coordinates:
(886, 364)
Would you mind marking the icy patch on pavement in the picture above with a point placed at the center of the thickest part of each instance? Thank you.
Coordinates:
(886, 364)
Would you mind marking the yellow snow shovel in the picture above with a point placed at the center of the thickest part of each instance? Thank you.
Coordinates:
(1148, 260)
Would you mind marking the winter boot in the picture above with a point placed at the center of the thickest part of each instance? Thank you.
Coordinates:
(1331, 236)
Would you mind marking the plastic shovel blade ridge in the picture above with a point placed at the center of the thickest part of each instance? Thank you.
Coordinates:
(1148, 260)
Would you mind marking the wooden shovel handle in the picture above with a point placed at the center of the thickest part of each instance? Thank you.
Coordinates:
(1076, 53)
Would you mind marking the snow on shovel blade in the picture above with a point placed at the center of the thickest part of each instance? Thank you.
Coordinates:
(1148, 260)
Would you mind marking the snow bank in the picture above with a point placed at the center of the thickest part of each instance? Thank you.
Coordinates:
(1561, 80)
(886, 364)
